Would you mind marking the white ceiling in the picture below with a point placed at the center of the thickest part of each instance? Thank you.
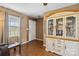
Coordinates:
(34, 9)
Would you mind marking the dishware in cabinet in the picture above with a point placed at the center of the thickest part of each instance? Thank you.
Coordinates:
(51, 26)
(59, 26)
(71, 26)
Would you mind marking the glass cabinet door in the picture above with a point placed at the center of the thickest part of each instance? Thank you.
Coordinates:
(50, 27)
(59, 27)
(70, 26)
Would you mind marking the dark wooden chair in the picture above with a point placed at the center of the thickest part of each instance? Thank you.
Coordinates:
(14, 46)
(4, 51)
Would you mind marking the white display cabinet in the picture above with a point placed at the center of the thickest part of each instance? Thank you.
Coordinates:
(62, 33)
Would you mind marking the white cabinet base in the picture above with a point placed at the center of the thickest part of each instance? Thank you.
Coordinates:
(62, 47)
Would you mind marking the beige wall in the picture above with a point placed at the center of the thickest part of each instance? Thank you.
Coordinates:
(24, 26)
(1, 26)
(2, 23)
(39, 29)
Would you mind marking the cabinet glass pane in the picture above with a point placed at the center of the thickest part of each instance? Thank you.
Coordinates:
(50, 27)
(70, 26)
(59, 27)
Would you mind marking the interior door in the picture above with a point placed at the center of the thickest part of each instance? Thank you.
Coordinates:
(32, 30)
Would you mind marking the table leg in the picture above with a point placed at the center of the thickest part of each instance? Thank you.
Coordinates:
(19, 49)
(15, 51)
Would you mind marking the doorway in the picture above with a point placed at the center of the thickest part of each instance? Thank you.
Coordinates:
(32, 30)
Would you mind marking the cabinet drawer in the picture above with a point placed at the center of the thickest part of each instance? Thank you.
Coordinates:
(72, 48)
(70, 52)
(49, 44)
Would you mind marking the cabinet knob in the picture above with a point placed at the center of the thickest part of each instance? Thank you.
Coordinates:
(65, 47)
(53, 44)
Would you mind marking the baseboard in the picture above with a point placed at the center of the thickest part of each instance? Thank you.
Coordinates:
(39, 39)
(44, 45)
(24, 42)
(31, 40)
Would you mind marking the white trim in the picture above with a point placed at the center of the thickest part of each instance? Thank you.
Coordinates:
(44, 45)
(24, 42)
(29, 41)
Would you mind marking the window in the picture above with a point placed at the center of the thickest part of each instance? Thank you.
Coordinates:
(13, 27)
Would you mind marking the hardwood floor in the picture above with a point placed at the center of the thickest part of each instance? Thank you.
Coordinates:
(34, 48)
